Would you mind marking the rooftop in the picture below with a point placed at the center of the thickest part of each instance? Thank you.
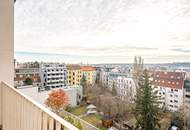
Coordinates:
(169, 79)
(88, 68)
(73, 67)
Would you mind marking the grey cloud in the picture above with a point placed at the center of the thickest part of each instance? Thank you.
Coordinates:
(38, 20)
(108, 49)
(181, 50)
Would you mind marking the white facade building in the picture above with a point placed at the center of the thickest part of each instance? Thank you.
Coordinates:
(112, 77)
(104, 77)
(187, 99)
(170, 89)
(108, 76)
(126, 88)
(53, 75)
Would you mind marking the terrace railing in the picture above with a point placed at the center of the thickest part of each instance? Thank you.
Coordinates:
(19, 112)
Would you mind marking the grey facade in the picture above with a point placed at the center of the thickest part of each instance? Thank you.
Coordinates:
(53, 75)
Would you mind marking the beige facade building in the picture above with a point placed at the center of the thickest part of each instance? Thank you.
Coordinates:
(74, 74)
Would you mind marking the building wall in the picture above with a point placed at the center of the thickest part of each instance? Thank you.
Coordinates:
(126, 88)
(170, 88)
(170, 98)
(112, 77)
(74, 77)
(7, 41)
(22, 73)
(6, 44)
(104, 77)
(90, 76)
(53, 75)
(41, 97)
(187, 97)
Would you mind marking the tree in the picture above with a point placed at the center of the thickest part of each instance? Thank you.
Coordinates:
(146, 109)
(28, 81)
(84, 84)
(138, 68)
(57, 100)
(114, 91)
(36, 64)
(178, 119)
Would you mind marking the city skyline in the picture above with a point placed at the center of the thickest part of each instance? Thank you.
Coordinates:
(99, 31)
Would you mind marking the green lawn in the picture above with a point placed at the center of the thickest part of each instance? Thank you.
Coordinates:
(92, 119)
(79, 110)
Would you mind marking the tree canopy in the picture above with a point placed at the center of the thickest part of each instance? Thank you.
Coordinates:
(28, 81)
(57, 100)
(146, 108)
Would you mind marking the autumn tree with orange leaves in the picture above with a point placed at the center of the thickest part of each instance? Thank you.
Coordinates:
(57, 100)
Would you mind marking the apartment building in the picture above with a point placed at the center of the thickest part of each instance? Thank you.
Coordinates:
(187, 101)
(170, 88)
(53, 75)
(109, 75)
(126, 88)
(34, 64)
(74, 74)
(22, 73)
(90, 74)
(113, 75)
(187, 74)
(104, 77)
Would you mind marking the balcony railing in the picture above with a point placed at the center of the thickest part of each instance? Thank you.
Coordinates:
(19, 112)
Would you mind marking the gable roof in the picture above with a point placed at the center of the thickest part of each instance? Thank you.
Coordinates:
(169, 79)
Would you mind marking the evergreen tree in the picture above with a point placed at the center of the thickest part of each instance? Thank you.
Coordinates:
(146, 108)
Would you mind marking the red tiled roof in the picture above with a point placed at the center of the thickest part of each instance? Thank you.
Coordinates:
(88, 68)
(169, 79)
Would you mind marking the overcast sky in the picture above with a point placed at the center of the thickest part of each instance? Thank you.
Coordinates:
(110, 30)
